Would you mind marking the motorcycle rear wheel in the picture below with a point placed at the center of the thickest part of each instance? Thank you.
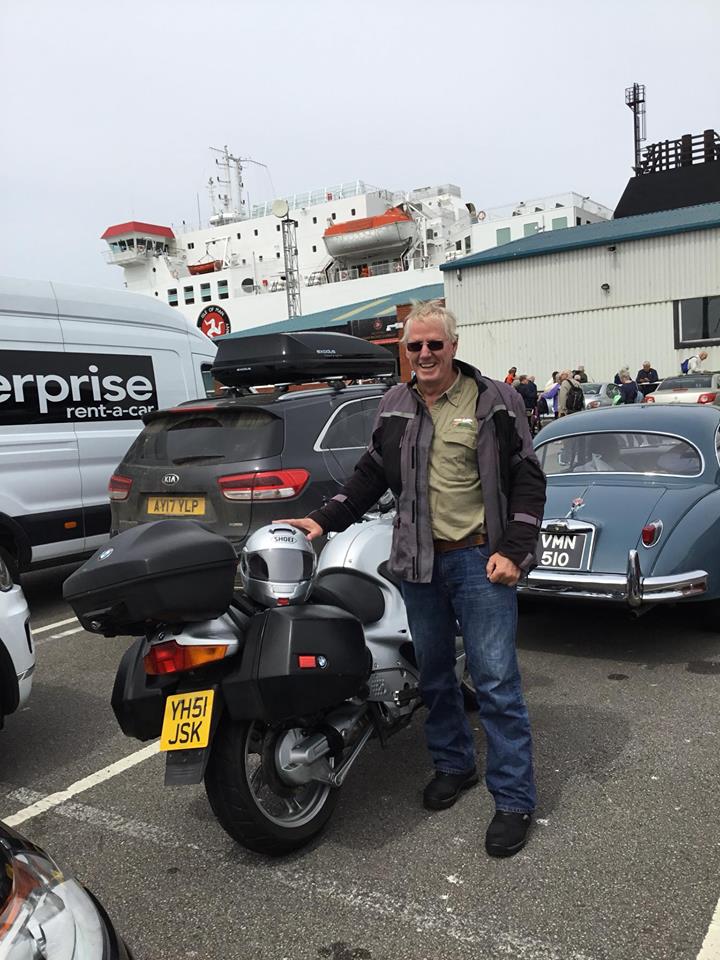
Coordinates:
(255, 808)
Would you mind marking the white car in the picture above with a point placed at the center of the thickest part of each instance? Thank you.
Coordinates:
(688, 388)
(17, 650)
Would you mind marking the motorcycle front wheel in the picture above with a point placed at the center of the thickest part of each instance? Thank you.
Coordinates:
(252, 804)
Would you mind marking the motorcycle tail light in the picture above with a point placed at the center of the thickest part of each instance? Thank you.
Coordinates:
(119, 487)
(267, 485)
(707, 398)
(651, 533)
(173, 657)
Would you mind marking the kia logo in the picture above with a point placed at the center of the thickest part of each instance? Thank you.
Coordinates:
(170, 478)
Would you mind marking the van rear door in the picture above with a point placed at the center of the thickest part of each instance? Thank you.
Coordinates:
(40, 491)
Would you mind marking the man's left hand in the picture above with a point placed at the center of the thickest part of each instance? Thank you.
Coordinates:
(501, 570)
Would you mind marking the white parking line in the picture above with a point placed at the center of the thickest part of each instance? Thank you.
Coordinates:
(54, 799)
(710, 949)
(52, 626)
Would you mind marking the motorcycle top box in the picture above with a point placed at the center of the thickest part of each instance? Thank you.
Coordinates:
(168, 571)
(298, 358)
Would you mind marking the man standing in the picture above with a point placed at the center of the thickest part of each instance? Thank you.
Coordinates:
(647, 378)
(628, 389)
(455, 449)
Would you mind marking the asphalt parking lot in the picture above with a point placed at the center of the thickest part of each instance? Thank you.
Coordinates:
(622, 864)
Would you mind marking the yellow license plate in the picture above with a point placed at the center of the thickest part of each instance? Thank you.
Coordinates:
(176, 506)
(186, 724)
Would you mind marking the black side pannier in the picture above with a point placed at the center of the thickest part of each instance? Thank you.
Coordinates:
(270, 358)
(168, 571)
(297, 661)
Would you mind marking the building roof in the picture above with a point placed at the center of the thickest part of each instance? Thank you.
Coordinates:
(135, 226)
(660, 224)
(338, 316)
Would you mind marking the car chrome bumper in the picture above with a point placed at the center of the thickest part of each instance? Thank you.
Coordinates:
(633, 588)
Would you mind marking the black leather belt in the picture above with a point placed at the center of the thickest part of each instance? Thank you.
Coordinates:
(443, 546)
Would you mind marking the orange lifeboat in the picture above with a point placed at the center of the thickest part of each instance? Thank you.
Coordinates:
(208, 266)
(388, 234)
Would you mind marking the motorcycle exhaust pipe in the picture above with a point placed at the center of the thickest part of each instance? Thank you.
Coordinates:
(340, 730)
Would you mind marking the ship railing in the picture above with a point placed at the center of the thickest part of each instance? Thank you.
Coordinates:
(340, 274)
(131, 255)
(337, 191)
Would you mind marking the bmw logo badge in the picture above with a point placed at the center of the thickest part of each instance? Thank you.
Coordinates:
(322, 662)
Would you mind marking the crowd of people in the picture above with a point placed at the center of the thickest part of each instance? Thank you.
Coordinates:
(563, 395)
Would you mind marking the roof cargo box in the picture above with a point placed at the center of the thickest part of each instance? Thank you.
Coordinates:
(298, 358)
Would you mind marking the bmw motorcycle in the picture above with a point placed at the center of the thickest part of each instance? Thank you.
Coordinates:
(269, 703)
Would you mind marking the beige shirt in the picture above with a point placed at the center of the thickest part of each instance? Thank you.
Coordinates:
(457, 509)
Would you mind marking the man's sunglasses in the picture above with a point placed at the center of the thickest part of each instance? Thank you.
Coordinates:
(415, 346)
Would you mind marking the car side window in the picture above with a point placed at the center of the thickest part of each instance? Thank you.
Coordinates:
(350, 427)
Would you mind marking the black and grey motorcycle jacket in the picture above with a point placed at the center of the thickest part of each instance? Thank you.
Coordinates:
(513, 484)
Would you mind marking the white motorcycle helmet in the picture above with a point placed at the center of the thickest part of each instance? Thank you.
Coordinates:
(277, 565)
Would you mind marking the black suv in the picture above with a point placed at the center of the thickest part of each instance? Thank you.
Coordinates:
(239, 462)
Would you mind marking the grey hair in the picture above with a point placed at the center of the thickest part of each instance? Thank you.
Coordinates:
(431, 310)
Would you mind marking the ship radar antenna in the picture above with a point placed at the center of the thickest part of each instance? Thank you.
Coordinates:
(635, 99)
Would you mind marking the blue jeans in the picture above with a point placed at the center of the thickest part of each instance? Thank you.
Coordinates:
(487, 613)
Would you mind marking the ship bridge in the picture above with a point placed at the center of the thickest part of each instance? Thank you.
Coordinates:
(135, 242)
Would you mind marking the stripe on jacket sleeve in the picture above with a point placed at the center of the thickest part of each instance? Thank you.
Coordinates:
(398, 413)
(527, 518)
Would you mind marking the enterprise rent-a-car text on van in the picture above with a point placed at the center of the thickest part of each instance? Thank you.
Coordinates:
(79, 368)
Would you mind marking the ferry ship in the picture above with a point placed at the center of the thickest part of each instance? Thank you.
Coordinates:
(331, 247)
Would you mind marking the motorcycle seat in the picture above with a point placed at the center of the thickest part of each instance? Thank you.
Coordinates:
(351, 591)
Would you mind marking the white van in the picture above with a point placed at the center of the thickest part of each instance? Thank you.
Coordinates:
(79, 367)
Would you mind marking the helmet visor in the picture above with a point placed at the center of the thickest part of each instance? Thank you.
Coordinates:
(281, 566)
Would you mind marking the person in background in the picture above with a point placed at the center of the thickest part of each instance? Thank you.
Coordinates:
(469, 508)
(579, 374)
(647, 378)
(565, 379)
(628, 389)
(622, 371)
(551, 395)
(696, 364)
(511, 375)
(552, 381)
(529, 392)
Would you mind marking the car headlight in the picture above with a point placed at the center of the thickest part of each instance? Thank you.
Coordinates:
(6, 580)
(46, 916)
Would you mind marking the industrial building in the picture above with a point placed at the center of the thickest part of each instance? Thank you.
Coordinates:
(643, 286)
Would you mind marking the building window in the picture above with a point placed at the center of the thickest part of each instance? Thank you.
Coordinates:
(468, 244)
(173, 297)
(697, 320)
(189, 294)
(277, 255)
(314, 219)
(502, 236)
(277, 227)
(529, 229)
(558, 223)
(314, 249)
(223, 290)
(205, 292)
(191, 246)
(578, 221)
(239, 237)
(458, 244)
(244, 261)
(260, 258)
(255, 232)
(352, 212)
(334, 216)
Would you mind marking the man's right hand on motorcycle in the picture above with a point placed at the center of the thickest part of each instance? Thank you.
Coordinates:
(309, 527)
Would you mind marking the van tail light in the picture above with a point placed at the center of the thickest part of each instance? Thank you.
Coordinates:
(707, 398)
(651, 533)
(268, 485)
(119, 487)
(172, 657)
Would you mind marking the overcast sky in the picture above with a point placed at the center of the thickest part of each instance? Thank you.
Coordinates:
(109, 108)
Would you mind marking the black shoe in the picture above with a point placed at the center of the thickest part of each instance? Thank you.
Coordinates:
(444, 789)
(507, 833)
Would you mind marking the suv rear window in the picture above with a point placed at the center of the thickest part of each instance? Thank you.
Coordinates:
(208, 437)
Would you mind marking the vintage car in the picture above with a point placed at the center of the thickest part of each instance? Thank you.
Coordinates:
(633, 507)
